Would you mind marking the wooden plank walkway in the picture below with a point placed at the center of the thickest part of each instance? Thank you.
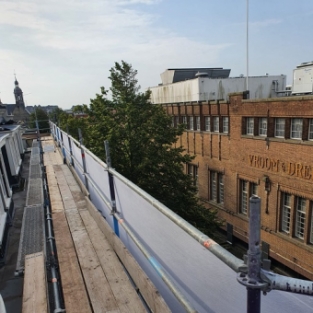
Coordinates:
(93, 278)
(35, 290)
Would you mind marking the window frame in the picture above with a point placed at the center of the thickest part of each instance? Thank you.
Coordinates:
(296, 133)
(277, 132)
(225, 124)
(198, 123)
(191, 123)
(250, 126)
(286, 213)
(216, 124)
(207, 120)
(263, 131)
(300, 219)
(216, 187)
(310, 134)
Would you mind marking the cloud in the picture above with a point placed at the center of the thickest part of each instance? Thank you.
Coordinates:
(51, 41)
(265, 23)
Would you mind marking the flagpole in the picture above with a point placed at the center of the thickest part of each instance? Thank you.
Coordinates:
(247, 46)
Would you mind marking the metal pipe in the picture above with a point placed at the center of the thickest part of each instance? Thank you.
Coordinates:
(51, 244)
(111, 186)
(289, 284)
(159, 269)
(83, 156)
(254, 256)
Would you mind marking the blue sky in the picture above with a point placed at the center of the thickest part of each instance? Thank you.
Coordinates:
(62, 50)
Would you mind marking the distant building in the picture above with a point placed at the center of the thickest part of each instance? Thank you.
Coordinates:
(14, 113)
(47, 108)
(212, 84)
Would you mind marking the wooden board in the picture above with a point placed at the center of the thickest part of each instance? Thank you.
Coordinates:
(125, 295)
(100, 293)
(34, 291)
(154, 300)
(74, 292)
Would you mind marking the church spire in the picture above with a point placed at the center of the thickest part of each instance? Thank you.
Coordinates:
(18, 93)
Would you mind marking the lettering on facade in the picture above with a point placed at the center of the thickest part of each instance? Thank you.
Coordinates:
(278, 166)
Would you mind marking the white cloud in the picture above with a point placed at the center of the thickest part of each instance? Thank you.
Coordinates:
(265, 23)
(66, 46)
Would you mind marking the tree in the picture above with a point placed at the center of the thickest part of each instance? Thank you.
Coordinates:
(144, 146)
(43, 120)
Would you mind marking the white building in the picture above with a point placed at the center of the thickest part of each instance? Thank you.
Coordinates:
(203, 84)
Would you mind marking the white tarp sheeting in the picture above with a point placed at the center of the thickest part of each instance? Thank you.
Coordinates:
(208, 284)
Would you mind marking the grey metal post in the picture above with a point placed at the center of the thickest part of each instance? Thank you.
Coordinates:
(83, 156)
(250, 275)
(254, 256)
(70, 145)
(111, 185)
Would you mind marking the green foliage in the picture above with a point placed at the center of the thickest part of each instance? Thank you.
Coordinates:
(43, 120)
(143, 145)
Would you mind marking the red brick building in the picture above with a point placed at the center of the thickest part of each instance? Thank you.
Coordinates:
(263, 147)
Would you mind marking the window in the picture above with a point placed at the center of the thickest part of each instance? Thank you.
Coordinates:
(286, 211)
(191, 123)
(176, 121)
(207, 123)
(247, 189)
(193, 172)
(253, 189)
(185, 120)
(311, 129)
(216, 187)
(296, 128)
(244, 197)
(173, 121)
(250, 126)
(280, 127)
(300, 217)
(225, 124)
(216, 124)
(311, 232)
(221, 188)
(198, 123)
(263, 126)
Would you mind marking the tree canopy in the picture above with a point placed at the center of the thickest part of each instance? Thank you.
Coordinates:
(43, 120)
(143, 145)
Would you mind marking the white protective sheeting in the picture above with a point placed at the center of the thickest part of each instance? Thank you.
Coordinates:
(100, 179)
(208, 284)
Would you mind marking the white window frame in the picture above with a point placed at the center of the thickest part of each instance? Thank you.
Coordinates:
(213, 186)
(286, 213)
(263, 126)
(225, 124)
(184, 120)
(250, 126)
(216, 124)
(191, 123)
(244, 185)
(207, 123)
(311, 232)
(221, 188)
(198, 124)
(176, 121)
(280, 127)
(296, 128)
(311, 129)
(300, 217)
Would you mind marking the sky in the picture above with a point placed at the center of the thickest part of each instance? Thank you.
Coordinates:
(62, 50)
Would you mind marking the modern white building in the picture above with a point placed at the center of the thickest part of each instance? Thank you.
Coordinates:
(204, 84)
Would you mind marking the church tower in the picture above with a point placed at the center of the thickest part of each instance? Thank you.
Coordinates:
(18, 93)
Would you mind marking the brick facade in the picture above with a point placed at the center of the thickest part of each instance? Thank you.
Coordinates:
(262, 147)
